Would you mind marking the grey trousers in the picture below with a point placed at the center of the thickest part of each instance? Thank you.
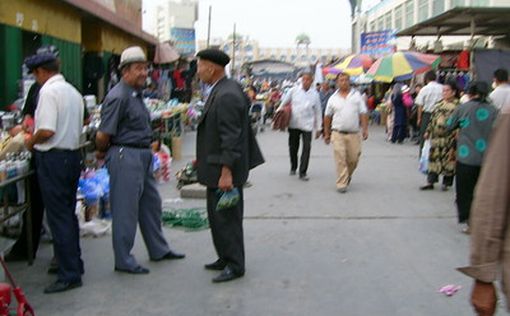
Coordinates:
(134, 199)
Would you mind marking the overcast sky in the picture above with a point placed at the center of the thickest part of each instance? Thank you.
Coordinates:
(274, 23)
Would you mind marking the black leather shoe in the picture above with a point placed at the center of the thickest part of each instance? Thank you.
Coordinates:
(170, 255)
(427, 187)
(61, 286)
(227, 275)
(137, 270)
(13, 257)
(292, 172)
(217, 265)
(303, 177)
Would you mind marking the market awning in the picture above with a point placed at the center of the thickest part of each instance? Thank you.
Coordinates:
(463, 21)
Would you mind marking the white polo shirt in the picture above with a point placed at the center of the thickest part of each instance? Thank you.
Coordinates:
(60, 110)
(501, 95)
(429, 96)
(345, 112)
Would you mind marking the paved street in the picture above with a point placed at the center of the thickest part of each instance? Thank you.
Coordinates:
(384, 248)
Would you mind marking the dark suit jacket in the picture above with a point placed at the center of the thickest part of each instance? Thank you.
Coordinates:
(223, 136)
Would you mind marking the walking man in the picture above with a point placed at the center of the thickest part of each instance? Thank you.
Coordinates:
(224, 144)
(501, 94)
(124, 139)
(426, 101)
(58, 126)
(345, 116)
(306, 116)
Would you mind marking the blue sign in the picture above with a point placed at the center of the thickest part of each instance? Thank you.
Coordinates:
(378, 44)
(184, 40)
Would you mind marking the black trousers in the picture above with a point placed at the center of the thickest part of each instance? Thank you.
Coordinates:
(227, 230)
(58, 173)
(425, 120)
(467, 177)
(294, 135)
(37, 208)
(433, 177)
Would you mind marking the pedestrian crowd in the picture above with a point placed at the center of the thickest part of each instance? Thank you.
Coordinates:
(464, 135)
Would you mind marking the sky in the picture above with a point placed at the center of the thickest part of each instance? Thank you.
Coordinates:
(273, 23)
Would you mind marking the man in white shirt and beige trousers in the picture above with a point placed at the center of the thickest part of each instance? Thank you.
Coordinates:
(344, 119)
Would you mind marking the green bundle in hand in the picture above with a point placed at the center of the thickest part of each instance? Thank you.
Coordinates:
(227, 199)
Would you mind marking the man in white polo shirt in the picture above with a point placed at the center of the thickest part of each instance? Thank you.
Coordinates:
(345, 117)
(426, 101)
(58, 126)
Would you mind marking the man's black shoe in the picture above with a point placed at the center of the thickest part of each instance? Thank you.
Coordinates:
(427, 187)
(13, 257)
(227, 275)
(61, 286)
(292, 172)
(303, 177)
(217, 265)
(170, 255)
(137, 270)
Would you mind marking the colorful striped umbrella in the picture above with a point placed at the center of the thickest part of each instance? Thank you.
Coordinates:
(401, 66)
(354, 65)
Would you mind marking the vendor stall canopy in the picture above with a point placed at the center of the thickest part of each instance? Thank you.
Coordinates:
(463, 21)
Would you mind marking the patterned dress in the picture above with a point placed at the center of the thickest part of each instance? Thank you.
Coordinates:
(442, 142)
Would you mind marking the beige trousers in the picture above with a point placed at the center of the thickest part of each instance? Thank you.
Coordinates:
(347, 150)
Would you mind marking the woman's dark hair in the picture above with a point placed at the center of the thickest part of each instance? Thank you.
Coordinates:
(453, 85)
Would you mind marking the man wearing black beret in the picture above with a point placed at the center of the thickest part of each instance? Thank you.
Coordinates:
(226, 151)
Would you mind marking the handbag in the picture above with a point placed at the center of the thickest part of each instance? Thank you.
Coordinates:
(424, 157)
(281, 118)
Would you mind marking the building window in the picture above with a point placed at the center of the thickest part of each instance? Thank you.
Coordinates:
(409, 13)
(372, 26)
(387, 21)
(283, 57)
(423, 10)
(380, 23)
(398, 17)
(293, 58)
(437, 7)
(457, 3)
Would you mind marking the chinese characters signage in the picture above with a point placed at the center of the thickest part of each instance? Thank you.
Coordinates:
(183, 40)
(378, 44)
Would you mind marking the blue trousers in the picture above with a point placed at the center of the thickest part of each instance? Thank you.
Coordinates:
(58, 173)
(134, 199)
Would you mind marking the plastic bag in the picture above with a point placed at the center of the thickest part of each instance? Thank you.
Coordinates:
(227, 199)
(424, 157)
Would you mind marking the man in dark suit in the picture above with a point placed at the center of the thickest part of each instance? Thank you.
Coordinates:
(225, 155)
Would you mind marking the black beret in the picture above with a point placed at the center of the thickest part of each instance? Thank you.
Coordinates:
(478, 87)
(214, 55)
(38, 60)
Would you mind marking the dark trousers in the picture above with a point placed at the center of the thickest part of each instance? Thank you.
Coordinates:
(227, 230)
(433, 177)
(467, 177)
(294, 135)
(37, 208)
(58, 173)
(399, 133)
(425, 119)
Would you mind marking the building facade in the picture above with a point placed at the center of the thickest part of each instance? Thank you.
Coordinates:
(175, 14)
(88, 33)
(250, 50)
(400, 14)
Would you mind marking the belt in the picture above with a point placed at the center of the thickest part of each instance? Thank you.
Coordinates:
(138, 146)
(344, 132)
(62, 150)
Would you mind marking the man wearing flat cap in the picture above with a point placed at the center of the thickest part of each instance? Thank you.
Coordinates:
(123, 139)
(226, 151)
(56, 139)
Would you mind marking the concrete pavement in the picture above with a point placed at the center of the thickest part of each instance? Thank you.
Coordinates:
(383, 248)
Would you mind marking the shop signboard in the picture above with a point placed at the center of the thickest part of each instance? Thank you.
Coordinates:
(378, 44)
(183, 40)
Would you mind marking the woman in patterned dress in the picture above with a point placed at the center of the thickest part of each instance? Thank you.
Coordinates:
(442, 142)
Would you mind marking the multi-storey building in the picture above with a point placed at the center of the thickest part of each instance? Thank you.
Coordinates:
(174, 14)
(401, 14)
(250, 50)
